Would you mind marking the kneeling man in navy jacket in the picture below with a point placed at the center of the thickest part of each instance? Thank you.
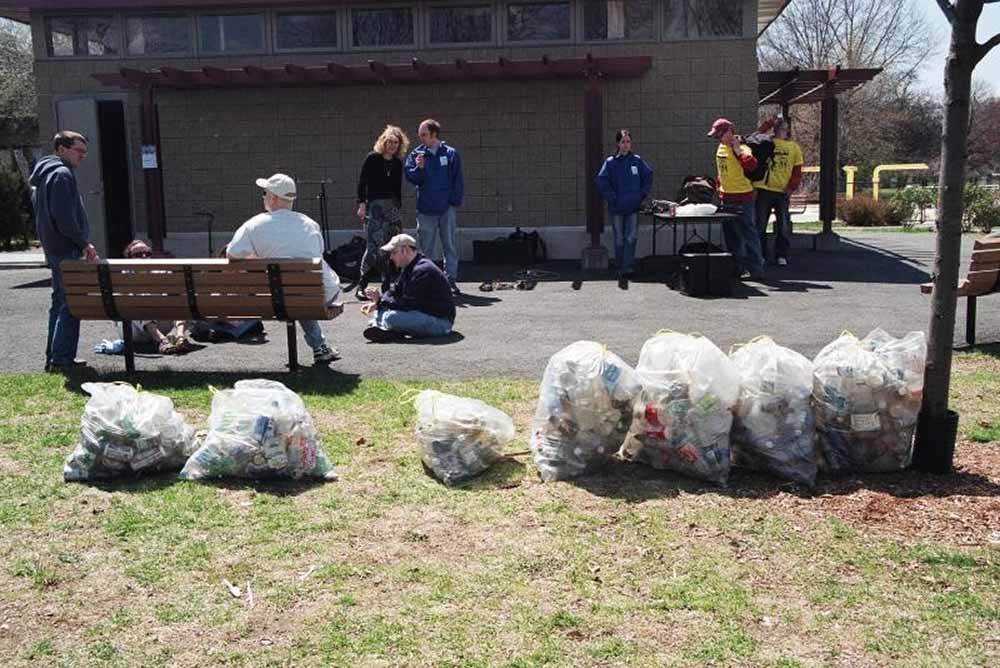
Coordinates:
(419, 303)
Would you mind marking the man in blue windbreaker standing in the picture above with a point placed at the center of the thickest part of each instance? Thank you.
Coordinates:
(436, 170)
(63, 230)
(624, 181)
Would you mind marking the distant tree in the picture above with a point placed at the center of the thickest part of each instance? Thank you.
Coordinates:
(895, 36)
(17, 80)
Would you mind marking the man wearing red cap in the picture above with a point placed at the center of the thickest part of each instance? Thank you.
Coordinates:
(733, 160)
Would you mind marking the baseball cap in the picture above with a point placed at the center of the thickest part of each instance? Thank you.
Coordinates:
(399, 240)
(281, 185)
(720, 126)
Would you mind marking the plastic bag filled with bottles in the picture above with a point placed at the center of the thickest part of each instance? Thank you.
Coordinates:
(259, 429)
(867, 395)
(124, 431)
(584, 410)
(773, 428)
(683, 413)
(459, 437)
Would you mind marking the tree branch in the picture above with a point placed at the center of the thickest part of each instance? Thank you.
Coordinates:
(990, 43)
(948, 9)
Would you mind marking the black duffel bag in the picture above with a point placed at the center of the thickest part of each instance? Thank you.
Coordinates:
(346, 259)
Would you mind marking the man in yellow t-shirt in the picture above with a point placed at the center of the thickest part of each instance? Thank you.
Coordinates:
(733, 160)
(774, 191)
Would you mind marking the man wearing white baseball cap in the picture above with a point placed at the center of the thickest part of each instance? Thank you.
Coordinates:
(418, 303)
(280, 232)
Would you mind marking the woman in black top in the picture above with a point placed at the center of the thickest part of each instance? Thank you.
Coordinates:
(379, 198)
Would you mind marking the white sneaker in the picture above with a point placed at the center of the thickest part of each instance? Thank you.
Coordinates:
(782, 262)
(325, 354)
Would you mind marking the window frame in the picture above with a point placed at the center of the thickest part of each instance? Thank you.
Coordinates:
(116, 20)
(430, 5)
(573, 32)
(414, 7)
(655, 37)
(265, 33)
(192, 46)
(337, 11)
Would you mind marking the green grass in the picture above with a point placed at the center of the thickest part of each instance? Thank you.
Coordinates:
(387, 567)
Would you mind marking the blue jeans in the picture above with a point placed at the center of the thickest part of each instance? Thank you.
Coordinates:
(64, 329)
(626, 230)
(743, 241)
(767, 201)
(415, 323)
(432, 226)
(313, 333)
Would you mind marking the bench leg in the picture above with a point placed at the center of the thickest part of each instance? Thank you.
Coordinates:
(293, 348)
(129, 348)
(970, 320)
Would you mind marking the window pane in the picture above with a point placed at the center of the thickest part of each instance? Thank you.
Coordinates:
(307, 31)
(461, 24)
(538, 22)
(382, 27)
(158, 34)
(618, 19)
(674, 19)
(83, 36)
(232, 33)
(707, 18)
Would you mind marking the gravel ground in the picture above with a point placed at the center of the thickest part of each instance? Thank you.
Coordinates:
(871, 282)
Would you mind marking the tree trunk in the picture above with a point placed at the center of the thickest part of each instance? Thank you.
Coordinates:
(962, 58)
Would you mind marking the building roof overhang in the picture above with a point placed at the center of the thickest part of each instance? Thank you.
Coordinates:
(375, 72)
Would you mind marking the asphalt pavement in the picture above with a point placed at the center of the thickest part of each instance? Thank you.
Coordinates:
(872, 281)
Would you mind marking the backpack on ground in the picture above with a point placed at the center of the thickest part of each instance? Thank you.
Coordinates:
(346, 259)
(762, 147)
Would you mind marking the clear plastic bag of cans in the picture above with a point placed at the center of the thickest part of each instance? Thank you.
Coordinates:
(773, 428)
(683, 413)
(259, 429)
(459, 437)
(867, 394)
(127, 432)
(584, 410)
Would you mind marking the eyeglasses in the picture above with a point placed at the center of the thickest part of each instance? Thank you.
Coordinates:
(79, 150)
(136, 254)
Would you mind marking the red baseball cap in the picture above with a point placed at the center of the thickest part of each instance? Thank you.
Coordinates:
(720, 126)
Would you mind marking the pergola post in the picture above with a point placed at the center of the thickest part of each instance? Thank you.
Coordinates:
(595, 256)
(153, 175)
(828, 169)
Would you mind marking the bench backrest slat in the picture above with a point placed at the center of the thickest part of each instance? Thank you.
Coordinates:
(158, 289)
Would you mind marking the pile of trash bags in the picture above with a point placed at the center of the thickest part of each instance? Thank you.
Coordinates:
(127, 432)
(866, 395)
(584, 410)
(459, 437)
(773, 426)
(259, 429)
(683, 414)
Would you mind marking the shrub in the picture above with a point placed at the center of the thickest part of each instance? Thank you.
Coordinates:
(981, 208)
(898, 210)
(920, 198)
(862, 212)
(14, 217)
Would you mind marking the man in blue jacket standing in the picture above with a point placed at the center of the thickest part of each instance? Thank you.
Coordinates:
(624, 181)
(436, 170)
(63, 229)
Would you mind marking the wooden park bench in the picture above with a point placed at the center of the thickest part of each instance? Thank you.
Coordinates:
(984, 270)
(195, 289)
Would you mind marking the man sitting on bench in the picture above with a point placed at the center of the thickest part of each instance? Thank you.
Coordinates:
(283, 233)
(419, 302)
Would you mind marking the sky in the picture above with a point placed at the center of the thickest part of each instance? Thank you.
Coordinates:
(988, 70)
